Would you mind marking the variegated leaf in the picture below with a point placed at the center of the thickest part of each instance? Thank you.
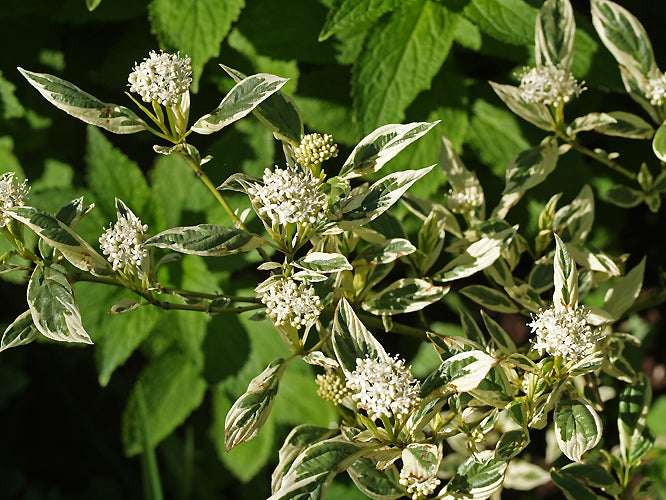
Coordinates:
(79, 104)
(625, 291)
(22, 331)
(489, 298)
(573, 222)
(554, 34)
(381, 484)
(626, 125)
(244, 97)
(421, 460)
(460, 373)
(385, 252)
(207, 240)
(531, 167)
(565, 277)
(536, 114)
(478, 477)
(590, 121)
(578, 428)
(404, 296)
(322, 262)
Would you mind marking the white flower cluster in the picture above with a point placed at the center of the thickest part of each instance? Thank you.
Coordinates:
(291, 303)
(463, 202)
(332, 388)
(123, 243)
(564, 333)
(549, 85)
(384, 388)
(656, 89)
(315, 149)
(12, 194)
(161, 77)
(418, 487)
(288, 196)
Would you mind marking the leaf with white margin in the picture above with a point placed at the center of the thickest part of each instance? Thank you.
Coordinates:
(364, 207)
(460, 373)
(376, 483)
(53, 307)
(593, 259)
(240, 101)
(74, 248)
(404, 296)
(590, 121)
(478, 477)
(251, 410)
(489, 298)
(207, 240)
(524, 476)
(322, 262)
(352, 340)
(573, 222)
(578, 428)
(554, 34)
(504, 343)
(537, 114)
(624, 36)
(478, 256)
(458, 176)
(421, 459)
(385, 252)
(314, 468)
(635, 437)
(318, 358)
(565, 277)
(22, 331)
(659, 143)
(626, 125)
(531, 167)
(380, 146)
(624, 291)
(79, 104)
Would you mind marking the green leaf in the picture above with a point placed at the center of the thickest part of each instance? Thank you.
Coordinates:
(593, 259)
(366, 206)
(624, 196)
(459, 177)
(479, 476)
(626, 125)
(279, 113)
(352, 340)
(460, 373)
(353, 12)
(554, 37)
(10, 107)
(323, 262)
(380, 146)
(404, 296)
(635, 438)
(376, 483)
(504, 343)
(430, 240)
(194, 27)
(624, 36)
(659, 143)
(400, 59)
(590, 121)
(511, 443)
(489, 298)
(244, 97)
(53, 307)
(537, 114)
(625, 291)
(385, 252)
(578, 428)
(531, 167)
(571, 487)
(565, 277)
(595, 475)
(510, 21)
(93, 4)
(207, 240)
(79, 104)
(22, 331)
(249, 413)
(173, 388)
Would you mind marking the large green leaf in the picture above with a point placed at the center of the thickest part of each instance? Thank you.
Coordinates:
(53, 307)
(207, 240)
(79, 104)
(351, 12)
(172, 387)
(194, 27)
(401, 56)
(510, 21)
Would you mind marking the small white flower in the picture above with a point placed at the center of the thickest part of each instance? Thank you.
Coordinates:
(384, 388)
(332, 388)
(288, 196)
(549, 85)
(563, 332)
(315, 149)
(418, 487)
(12, 194)
(161, 78)
(123, 241)
(656, 89)
(291, 303)
(463, 202)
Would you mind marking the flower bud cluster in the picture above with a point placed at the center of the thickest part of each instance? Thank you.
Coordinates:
(384, 388)
(656, 90)
(288, 195)
(563, 332)
(418, 487)
(315, 149)
(123, 241)
(161, 78)
(463, 202)
(549, 85)
(332, 388)
(291, 303)
(12, 194)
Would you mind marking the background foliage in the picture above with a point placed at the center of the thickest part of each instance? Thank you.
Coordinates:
(385, 62)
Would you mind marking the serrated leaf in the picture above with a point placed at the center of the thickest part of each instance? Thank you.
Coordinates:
(206, 240)
(404, 296)
(194, 27)
(375, 483)
(531, 167)
(380, 146)
(244, 97)
(510, 21)
(537, 114)
(323, 262)
(278, 113)
(79, 104)
(624, 36)
(578, 428)
(352, 340)
(462, 372)
(20, 332)
(489, 298)
(251, 410)
(353, 12)
(625, 291)
(626, 125)
(554, 34)
(400, 58)
(173, 388)
(364, 207)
